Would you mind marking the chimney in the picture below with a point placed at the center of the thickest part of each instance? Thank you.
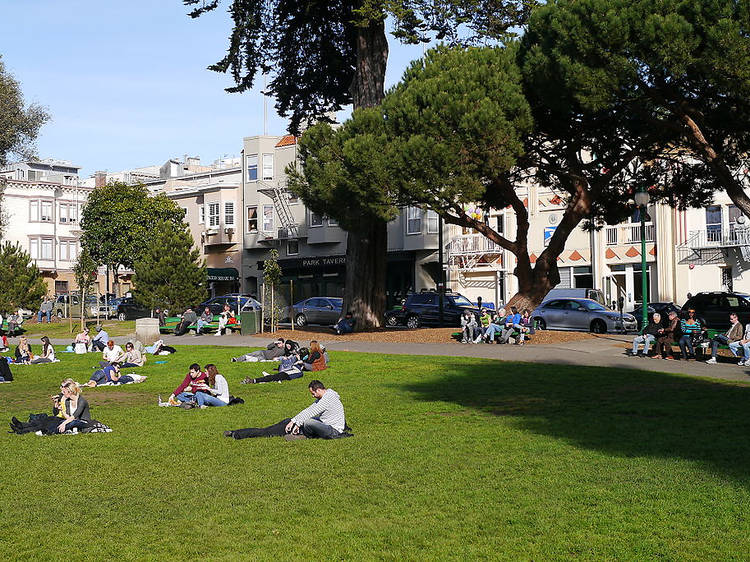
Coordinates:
(100, 179)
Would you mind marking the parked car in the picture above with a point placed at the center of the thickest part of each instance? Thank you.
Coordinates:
(128, 309)
(421, 309)
(70, 305)
(583, 315)
(582, 293)
(216, 304)
(714, 308)
(317, 310)
(663, 308)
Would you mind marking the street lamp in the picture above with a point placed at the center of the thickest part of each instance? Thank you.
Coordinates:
(641, 201)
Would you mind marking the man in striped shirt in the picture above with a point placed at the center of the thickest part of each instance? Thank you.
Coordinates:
(323, 419)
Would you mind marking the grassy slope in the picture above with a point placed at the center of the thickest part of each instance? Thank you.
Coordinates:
(451, 459)
(61, 329)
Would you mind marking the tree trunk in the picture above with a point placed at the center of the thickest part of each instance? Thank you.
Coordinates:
(367, 247)
(364, 294)
(534, 285)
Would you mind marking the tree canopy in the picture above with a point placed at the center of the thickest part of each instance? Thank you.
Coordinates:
(19, 124)
(170, 273)
(679, 68)
(119, 220)
(21, 283)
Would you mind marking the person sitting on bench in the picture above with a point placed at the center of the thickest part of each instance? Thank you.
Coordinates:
(189, 317)
(323, 419)
(649, 335)
(730, 338)
(666, 337)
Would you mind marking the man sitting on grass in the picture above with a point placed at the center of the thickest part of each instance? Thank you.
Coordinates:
(274, 350)
(323, 419)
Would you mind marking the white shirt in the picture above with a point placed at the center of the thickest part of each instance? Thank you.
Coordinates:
(112, 354)
(221, 390)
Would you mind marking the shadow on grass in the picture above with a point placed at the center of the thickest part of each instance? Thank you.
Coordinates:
(621, 412)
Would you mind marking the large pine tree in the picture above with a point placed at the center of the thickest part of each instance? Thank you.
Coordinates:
(170, 273)
(21, 283)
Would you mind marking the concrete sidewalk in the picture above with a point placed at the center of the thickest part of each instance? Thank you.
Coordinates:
(605, 351)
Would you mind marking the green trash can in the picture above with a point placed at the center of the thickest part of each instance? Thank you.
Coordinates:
(250, 322)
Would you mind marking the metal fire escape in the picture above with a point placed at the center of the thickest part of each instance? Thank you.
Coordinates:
(280, 197)
(714, 246)
(472, 252)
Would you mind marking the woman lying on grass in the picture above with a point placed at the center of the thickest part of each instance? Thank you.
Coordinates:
(109, 374)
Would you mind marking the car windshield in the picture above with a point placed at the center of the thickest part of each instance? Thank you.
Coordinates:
(461, 300)
(593, 305)
(336, 301)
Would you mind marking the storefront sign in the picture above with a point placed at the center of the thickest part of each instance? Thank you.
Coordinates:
(222, 274)
(319, 262)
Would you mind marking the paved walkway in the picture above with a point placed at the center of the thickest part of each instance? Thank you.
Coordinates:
(600, 351)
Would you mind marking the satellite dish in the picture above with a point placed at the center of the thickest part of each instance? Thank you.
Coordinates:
(741, 219)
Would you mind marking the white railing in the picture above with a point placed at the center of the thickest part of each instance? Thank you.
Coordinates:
(628, 234)
(466, 244)
(718, 237)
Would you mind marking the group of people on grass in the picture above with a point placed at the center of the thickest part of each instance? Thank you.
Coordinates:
(690, 333)
(497, 326)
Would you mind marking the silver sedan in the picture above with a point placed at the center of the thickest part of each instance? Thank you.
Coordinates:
(582, 315)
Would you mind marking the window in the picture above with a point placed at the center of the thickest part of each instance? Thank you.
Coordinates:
(34, 211)
(734, 214)
(500, 228)
(252, 219)
(413, 220)
(45, 214)
(201, 214)
(47, 252)
(229, 213)
(611, 235)
(432, 222)
(62, 216)
(267, 218)
(34, 248)
(252, 167)
(67, 213)
(332, 222)
(292, 247)
(268, 166)
(582, 277)
(316, 219)
(713, 223)
(68, 250)
(213, 215)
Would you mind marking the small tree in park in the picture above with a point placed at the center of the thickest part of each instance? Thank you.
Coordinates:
(85, 273)
(21, 283)
(271, 280)
(170, 273)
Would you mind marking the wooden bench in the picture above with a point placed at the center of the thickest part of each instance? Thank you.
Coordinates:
(173, 321)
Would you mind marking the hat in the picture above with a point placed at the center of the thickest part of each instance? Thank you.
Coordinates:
(98, 328)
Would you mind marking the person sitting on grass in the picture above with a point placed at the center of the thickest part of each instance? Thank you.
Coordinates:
(133, 357)
(730, 338)
(316, 359)
(75, 408)
(23, 352)
(205, 319)
(194, 382)
(44, 423)
(218, 393)
(4, 343)
(99, 342)
(274, 350)
(666, 337)
(345, 325)
(83, 338)
(48, 353)
(649, 335)
(691, 331)
(112, 354)
(323, 419)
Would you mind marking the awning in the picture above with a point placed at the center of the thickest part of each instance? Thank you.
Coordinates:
(222, 274)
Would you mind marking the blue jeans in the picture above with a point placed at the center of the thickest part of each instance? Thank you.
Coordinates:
(184, 396)
(646, 340)
(205, 399)
(200, 325)
(492, 329)
(686, 344)
(40, 314)
(317, 429)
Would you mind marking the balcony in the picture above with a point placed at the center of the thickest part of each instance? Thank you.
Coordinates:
(628, 234)
(472, 244)
(220, 236)
(712, 245)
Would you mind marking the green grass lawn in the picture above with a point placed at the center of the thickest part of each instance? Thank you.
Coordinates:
(452, 459)
(61, 329)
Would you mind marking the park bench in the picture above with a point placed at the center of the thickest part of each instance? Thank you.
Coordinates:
(173, 321)
(515, 335)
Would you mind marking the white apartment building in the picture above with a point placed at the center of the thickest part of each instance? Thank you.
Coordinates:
(43, 203)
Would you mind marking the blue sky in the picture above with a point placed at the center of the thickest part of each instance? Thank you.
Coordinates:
(126, 82)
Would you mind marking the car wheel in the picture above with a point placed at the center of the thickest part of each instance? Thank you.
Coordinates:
(541, 324)
(391, 320)
(598, 327)
(300, 320)
(60, 314)
(121, 316)
(412, 322)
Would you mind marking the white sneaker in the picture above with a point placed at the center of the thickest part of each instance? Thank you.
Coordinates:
(218, 334)
(266, 374)
(741, 363)
(712, 361)
(39, 433)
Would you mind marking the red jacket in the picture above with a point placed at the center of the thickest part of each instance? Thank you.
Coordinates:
(198, 383)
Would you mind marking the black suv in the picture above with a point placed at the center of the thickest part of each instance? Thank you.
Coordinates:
(421, 309)
(715, 308)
